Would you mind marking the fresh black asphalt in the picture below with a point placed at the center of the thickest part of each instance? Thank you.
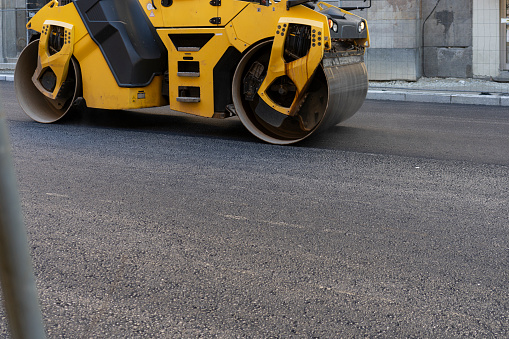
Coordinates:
(393, 224)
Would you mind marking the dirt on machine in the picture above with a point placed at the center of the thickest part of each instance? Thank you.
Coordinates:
(286, 68)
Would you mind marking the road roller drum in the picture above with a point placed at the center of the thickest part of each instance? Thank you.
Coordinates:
(287, 69)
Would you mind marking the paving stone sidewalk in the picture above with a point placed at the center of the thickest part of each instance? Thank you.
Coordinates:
(438, 90)
(7, 76)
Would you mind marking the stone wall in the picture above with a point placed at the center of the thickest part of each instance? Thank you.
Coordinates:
(447, 32)
(414, 38)
(486, 38)
(12, 29)
(395, 52)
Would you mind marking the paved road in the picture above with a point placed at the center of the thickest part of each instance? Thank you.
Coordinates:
(392, 225)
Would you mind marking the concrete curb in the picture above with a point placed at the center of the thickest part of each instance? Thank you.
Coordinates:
(439, 97)
(6, 77)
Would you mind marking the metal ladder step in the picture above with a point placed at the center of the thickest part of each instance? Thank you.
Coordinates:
(188, 99)
(188, 74)
(188, 49)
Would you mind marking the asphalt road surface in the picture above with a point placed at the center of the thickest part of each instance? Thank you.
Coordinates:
(394, 224)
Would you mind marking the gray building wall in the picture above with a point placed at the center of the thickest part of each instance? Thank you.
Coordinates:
(12, 29)
(414, 38)
(14, 15)
(395, 31)
(447, 39)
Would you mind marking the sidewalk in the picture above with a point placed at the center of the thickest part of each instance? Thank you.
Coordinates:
(435, 90)
(6, 77)
(446, 91)
(7, 72)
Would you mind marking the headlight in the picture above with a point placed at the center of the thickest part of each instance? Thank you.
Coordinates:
(333, 25)
(362, 26)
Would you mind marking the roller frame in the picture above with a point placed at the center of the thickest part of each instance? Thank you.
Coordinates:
(347, 85)
(327, 87)
(36, 105)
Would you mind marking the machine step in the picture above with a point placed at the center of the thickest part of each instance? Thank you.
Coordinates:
(188, 99)
(188, 74)
(188, 49)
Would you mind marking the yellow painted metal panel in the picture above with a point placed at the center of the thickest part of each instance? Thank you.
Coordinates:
(182, 13)
(59, 61)
(229, 9)
(155, 14)
(207, 56)
(266, 19)
(100, 89)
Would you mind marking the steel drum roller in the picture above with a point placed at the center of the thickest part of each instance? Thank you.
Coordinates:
(334, 94)
(300, 72)
(35, 104)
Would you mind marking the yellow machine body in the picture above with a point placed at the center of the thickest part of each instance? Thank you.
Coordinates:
(100, 90)
(208, 50)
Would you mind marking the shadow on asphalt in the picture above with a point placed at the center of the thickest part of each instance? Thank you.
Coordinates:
(161, 120)
(419, 135)
(459, 134)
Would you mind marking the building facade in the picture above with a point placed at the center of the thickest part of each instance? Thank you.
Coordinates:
(409, 38)
(438, 38)
(12, 30)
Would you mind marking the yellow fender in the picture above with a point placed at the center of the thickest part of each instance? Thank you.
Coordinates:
(58, 62)
(299, 71)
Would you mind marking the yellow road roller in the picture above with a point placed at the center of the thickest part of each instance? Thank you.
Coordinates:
(286, 68)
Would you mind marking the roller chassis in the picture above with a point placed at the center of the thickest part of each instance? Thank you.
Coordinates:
(300, 72)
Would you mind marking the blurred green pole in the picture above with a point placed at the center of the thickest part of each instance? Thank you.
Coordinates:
(16, 275)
